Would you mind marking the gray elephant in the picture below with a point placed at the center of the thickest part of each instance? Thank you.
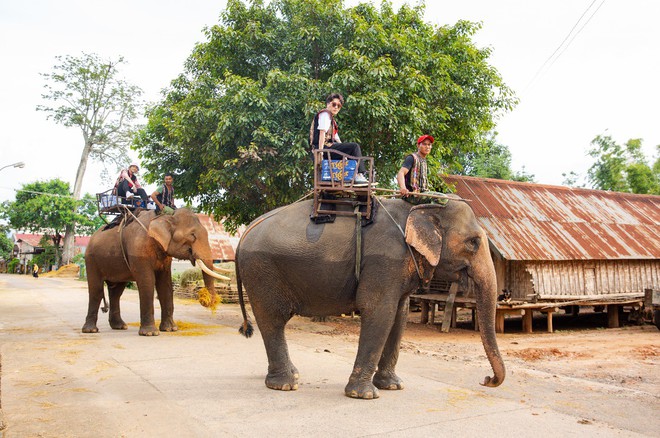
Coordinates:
(291, 266)
(141, 250)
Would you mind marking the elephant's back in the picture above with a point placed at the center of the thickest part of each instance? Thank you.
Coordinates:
(290, 231)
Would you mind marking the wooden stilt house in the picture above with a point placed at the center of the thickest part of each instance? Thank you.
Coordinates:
(556, 246)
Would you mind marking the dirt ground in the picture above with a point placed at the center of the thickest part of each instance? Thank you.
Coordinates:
(581, 347)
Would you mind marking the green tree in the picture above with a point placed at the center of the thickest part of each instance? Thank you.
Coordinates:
(6, 245)
(234, 125)
(622, 168)
(49, 256)
(47, 207)
(491, 160)
(87, 93)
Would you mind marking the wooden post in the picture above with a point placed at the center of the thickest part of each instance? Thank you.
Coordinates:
(613, 315)
(527, 320)
(425, 311)
(475, 320)
(499, 321)
(449, 308)
(434, 306)
(549, 312)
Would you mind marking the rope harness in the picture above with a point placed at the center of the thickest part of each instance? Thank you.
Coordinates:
(127, 211)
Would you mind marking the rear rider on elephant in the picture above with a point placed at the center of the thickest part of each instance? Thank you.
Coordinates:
(128, 182)
(324, 134)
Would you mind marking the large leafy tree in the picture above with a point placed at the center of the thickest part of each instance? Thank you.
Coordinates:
(492, 160)
(87, 93)
(623, 168)
(234, 125)
(48, 207)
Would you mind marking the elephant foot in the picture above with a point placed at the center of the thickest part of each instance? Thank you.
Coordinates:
(361, 389)
(287, 381)
(149, 330)
(118, 324)
(90, 328)
(168, 326)
(387, 381)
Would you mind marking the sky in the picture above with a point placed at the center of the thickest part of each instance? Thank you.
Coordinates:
(580, 68)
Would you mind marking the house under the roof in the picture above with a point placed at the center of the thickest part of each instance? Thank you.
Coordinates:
(567, 245)
(223, 244)
(563, 243)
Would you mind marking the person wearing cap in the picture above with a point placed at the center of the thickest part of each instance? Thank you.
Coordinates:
(324, 134)
(128, 182)
(413, 175)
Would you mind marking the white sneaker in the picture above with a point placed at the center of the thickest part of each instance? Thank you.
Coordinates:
(360, 179)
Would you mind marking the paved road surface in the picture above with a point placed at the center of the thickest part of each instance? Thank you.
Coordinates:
(207, 381)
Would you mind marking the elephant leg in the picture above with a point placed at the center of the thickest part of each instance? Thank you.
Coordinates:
(385, 377)
(282, 374)
(166, 299)
(146, 286)
(95, 288)
(115, 290)
(376, 326)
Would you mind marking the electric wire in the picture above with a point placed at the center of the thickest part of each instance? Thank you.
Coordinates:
(561, 48)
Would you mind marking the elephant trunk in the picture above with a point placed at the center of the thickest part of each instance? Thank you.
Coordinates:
(486, 297)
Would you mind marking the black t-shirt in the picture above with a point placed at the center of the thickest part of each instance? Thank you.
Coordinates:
(408, 163)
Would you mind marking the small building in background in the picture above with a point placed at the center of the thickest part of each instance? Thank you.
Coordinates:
(556, 243)
(27, 245)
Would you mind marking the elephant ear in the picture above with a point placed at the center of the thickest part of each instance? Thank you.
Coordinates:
(424, 235)
(161, 231)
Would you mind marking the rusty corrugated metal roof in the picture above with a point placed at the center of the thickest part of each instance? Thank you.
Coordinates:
(528, 221)
(223, 244)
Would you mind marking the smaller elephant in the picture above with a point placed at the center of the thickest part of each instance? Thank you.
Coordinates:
(141, 250)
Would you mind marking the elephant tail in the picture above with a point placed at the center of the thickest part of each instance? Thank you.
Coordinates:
(246, 328)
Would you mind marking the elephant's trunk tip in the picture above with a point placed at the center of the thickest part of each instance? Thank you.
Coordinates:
(492, 381)
(246, 329)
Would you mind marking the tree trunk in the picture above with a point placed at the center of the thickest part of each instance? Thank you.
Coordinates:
(69, 236)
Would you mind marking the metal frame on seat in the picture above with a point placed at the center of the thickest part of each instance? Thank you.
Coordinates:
(346, 190)
(110, 204)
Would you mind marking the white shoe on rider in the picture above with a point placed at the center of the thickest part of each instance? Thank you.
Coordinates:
(360, 179)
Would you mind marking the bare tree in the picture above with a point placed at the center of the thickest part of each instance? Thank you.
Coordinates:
(87, 94)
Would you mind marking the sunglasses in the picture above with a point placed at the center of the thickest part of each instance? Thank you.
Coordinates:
(336, 105)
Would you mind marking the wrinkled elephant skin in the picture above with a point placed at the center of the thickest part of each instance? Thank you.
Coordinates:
(291, 266)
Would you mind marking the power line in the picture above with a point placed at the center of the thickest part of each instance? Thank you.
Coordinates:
(561, 48)
(577, 33)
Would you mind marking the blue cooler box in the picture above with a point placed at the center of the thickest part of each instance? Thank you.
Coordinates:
(335, 169)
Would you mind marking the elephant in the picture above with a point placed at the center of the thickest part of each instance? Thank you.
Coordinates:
(291, 266)
(141, 250)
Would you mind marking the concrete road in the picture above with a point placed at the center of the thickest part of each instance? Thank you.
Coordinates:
(207, 381)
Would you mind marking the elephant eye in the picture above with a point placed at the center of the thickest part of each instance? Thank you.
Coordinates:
(473, 244)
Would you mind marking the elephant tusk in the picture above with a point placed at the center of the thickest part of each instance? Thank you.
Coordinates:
(223, 270)
(200, 264)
